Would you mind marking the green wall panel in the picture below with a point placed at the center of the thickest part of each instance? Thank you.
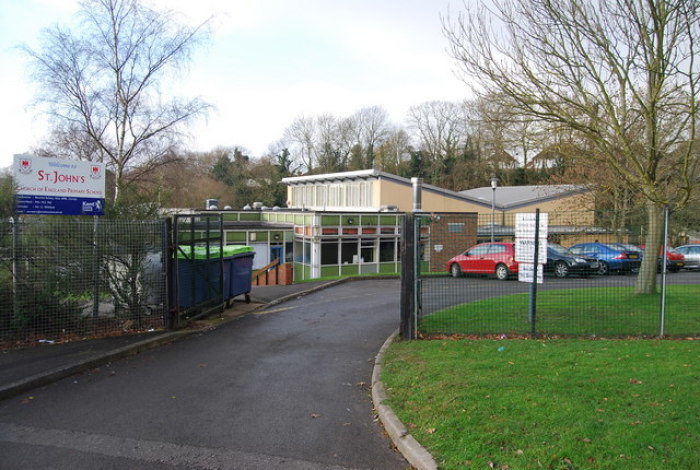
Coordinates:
(330, 220)
(349, 269)
(355, 219)
(388, 268)
(249, 215)
(235, 237)
(327, 271)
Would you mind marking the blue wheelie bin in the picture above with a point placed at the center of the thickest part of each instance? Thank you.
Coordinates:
(200, 273)
(238, 272)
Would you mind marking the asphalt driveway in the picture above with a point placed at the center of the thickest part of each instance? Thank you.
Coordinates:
(285, 388)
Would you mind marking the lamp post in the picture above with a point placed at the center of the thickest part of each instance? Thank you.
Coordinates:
(494, 185)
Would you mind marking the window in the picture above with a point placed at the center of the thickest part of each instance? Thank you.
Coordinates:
(333, 195)
(298, 251)
(348, 253)
(479, 250)
(367, 249)
(386, 250)
(455, 227)
(329, 252)
(288, 252)
(497, 249)
(307, 253)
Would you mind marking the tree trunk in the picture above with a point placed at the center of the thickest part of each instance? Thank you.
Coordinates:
(646, 282)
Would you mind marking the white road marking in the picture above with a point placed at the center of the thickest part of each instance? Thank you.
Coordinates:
(151, 451)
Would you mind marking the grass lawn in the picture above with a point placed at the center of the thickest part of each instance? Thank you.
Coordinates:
(558, 404)
(601, 311)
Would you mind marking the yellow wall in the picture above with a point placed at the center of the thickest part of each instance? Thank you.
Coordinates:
(391, 193)
(576, 209)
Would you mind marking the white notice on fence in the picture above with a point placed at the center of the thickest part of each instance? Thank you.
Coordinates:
(525, 224)
(526, 271)
(525, 238)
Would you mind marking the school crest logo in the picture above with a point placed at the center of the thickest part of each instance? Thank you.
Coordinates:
(25, 166)
(95, 172)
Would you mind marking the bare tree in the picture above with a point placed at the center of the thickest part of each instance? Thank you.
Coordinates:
(621, 73)
(300, 139)
(334, 142)
(394, 150)
(102, 83)
(439, 127)
(372, 127)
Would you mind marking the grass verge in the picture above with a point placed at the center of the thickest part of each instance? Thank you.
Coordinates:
(601, 311)
(559, 404)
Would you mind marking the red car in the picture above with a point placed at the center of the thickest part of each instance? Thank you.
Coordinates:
(485, 258)
(674, 260)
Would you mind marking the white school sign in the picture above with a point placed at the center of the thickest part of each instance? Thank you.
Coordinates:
(59, 187)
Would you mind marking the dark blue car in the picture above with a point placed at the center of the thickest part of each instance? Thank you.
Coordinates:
(611, 257)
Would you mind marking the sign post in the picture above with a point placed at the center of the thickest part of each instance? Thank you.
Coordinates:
(59, 187)
(531, 254)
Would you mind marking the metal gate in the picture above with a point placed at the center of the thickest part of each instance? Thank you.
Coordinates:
(197, 267)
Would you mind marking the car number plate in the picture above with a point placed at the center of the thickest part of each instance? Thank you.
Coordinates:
(633, 256)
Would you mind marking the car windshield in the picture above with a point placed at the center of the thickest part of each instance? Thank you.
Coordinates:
(558, 249)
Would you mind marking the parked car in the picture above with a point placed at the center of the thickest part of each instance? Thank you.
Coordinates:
(562, 262)
(629, 247)
(610, 257)
(674, 260)
(691, 254)
(485, 258)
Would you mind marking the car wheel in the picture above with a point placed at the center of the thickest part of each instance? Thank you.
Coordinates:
(502, 272)
(603, 268)
(561, 269)
(455, 270)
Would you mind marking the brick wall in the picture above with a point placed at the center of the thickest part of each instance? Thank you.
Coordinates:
(446, 235)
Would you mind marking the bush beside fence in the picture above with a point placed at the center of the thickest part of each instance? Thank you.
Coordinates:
(66, 278)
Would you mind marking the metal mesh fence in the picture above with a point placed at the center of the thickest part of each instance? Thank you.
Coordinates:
(469, 272)
(67, 278)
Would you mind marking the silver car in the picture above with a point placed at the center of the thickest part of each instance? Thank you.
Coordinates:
(692, 255)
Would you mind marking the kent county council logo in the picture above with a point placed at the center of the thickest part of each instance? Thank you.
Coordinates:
(95, 172)
(25, 166)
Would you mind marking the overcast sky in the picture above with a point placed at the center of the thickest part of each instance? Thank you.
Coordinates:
(268, 62)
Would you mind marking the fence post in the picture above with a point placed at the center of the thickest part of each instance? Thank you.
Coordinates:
(533, 284)
(408, 276)
(168, 253)
(15, 266)
(96, 268)
(662, 320)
